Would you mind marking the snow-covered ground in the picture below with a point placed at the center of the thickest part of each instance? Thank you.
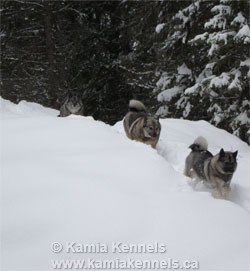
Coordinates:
(78, 180)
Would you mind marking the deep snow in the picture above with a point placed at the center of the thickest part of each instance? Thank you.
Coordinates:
(78, 180)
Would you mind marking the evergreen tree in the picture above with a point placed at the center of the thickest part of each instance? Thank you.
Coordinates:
(212, 79)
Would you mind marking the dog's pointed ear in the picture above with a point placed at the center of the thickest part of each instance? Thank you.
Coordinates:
(222, 153)
(235, 154)
(157, 117)
(192, 147)
(70, 94)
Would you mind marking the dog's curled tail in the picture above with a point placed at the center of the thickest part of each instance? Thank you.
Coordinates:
(200, 144)
(136, 106)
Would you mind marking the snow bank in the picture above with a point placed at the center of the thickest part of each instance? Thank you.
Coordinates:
(78, 180)
(27, 109)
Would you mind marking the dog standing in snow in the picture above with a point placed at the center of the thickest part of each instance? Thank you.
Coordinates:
(140, 126)
(72, 105)
(216, 171)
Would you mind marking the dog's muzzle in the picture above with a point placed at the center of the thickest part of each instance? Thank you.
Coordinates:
(146, 134)
(229, 169)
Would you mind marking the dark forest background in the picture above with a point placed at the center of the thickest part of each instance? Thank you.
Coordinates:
(183, 59)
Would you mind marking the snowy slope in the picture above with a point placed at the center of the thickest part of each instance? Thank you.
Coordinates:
(78, 180)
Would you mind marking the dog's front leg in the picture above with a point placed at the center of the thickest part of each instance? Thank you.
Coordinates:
(225, 191)
(221, 189)
(217, 191)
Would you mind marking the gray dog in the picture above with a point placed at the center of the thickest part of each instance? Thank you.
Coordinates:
(140, 126)
(217, 171)
(72, 105)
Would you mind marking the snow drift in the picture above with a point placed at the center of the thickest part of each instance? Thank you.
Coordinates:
(79, 180)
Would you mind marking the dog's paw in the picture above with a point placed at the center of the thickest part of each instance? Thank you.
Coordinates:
(226, 194)
(217, 194)
(223, 193)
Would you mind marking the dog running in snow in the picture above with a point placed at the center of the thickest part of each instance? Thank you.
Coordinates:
(140, 126)
(216, 171)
